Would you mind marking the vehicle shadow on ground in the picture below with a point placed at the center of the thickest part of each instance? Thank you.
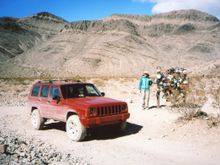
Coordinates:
(110, 132)
(55, 125)
(100, 133)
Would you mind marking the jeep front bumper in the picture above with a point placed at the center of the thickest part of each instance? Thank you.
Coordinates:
(105, 120)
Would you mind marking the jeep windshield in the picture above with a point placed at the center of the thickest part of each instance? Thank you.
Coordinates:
(79, 90)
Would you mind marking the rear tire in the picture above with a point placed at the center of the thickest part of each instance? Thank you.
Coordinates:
(75, 130)
(36, 120)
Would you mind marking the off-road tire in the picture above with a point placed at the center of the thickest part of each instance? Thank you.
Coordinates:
(36, 120)
(75, 130)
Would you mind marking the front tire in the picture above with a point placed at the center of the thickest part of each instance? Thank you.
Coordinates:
(122, 126)
(36, 120)
(75, 130)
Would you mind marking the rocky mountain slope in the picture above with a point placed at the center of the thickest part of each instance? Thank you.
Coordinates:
(118, 45)
(20, 35)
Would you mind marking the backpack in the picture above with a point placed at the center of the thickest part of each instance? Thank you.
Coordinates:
(150, 82)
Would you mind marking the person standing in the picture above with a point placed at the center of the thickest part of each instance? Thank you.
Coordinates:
(144, 86)
(159, 81)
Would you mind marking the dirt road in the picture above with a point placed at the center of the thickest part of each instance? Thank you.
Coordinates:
(152, 137)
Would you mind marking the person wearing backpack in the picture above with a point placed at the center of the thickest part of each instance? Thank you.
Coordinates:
(144, 86)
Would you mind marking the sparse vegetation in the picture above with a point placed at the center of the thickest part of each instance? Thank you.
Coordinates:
(201, 87)
(213, 121)
(14, 91)
(99, 82)
(189, 111)
(216, 97)
(197, 93)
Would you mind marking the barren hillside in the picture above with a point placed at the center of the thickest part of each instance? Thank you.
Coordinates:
(46, 45)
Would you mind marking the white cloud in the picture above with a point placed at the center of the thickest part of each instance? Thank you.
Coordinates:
(209, 6)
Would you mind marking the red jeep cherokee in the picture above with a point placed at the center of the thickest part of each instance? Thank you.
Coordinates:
(80, 105)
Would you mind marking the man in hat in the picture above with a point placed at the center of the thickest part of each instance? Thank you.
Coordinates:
(144, 86)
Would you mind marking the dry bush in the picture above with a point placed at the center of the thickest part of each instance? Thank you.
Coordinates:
(216, 96)
(177, 97)
(195, 98)
(128, 79)
(77, 78)
(196, 93)
(99, 82)
(189, 111)
(189, 114)
(200, 88)
(14, 91)
(213, 121)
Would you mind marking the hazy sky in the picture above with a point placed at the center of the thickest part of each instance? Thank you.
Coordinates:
(72, 10)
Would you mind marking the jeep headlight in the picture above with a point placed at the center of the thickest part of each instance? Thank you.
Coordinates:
(124, 108)
(92, 111)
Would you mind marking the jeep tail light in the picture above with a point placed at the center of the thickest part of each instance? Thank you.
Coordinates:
(92, 111)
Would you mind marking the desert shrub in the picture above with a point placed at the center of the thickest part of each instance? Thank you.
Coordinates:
(189, 114)
(196, 93)
(195, 98)
(99, 82)
(177, 97)
(128, 79)
(189, 111)
(213, 121)
(216, 96)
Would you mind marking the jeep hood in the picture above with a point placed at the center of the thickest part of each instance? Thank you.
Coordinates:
(86, 102)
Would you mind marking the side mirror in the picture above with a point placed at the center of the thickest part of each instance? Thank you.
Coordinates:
(57, 98)
(103, 93)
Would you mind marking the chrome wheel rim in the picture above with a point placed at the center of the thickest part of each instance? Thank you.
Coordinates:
(73, 129)
(34, 119)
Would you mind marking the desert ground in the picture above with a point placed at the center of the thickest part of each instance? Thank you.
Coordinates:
(168, 135)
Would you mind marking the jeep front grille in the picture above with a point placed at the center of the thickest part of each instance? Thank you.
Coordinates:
(109, 110)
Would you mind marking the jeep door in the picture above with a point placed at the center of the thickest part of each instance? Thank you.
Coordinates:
(43, 101)
(55, 104)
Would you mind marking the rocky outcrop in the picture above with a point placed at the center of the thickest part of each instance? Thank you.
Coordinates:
(104, 26)
(20, 35)
(45, 45)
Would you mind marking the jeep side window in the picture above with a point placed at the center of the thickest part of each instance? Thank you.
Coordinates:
(44, 91)
(54, 91)
(79, 90)
(35, 91)
(91, 91)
